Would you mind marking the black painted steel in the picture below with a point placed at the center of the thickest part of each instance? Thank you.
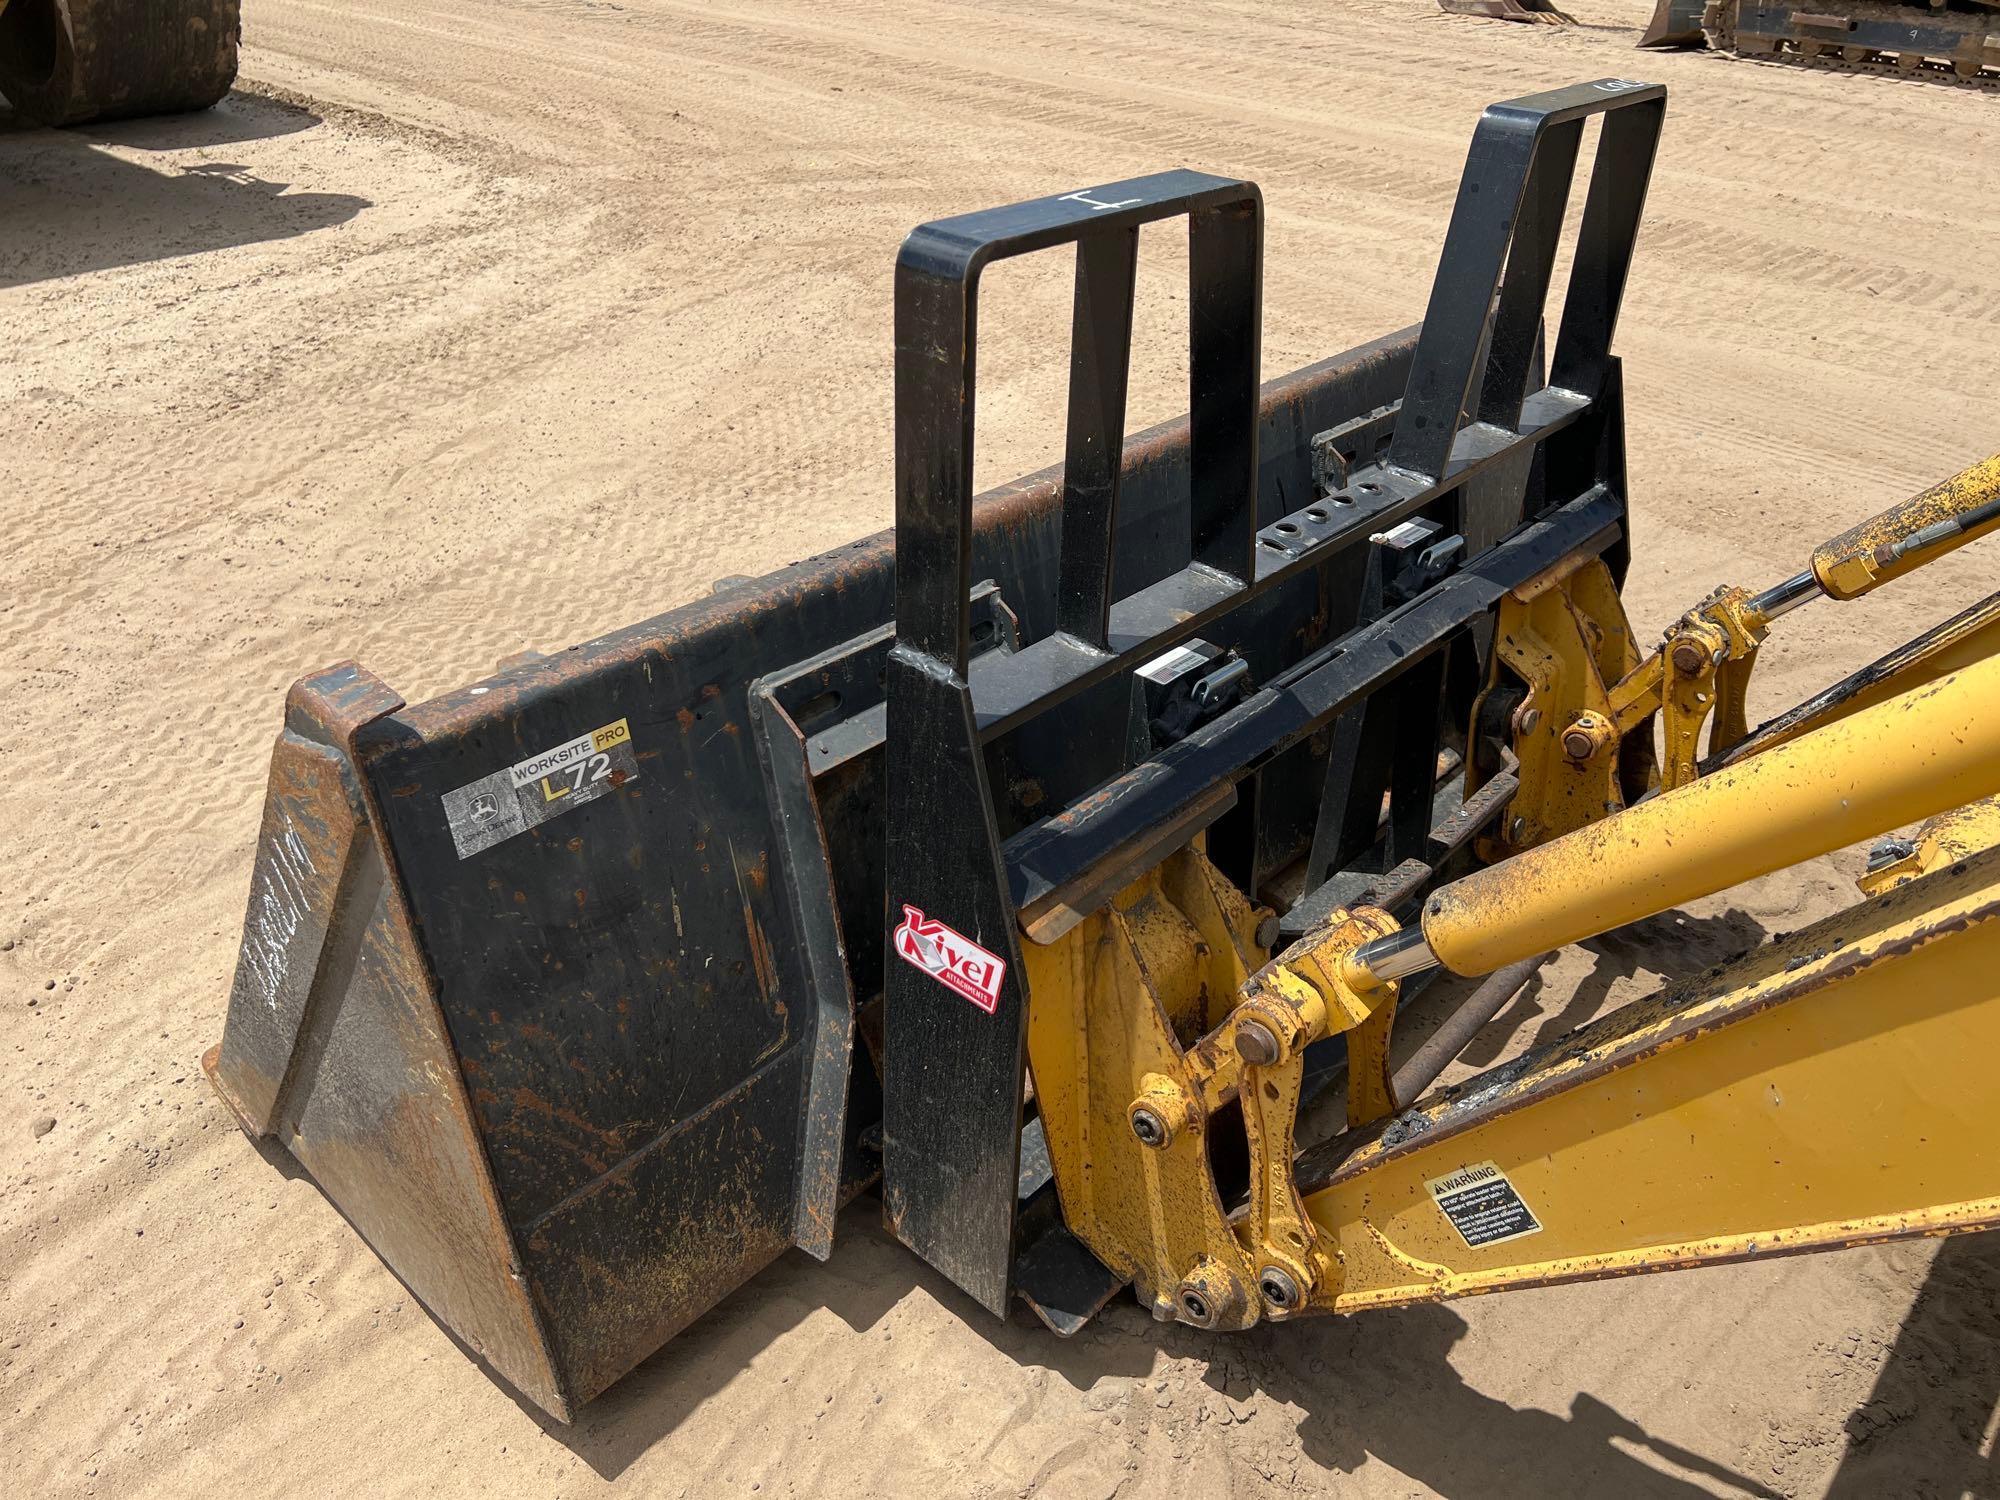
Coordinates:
(1288, 710)
(953, 1061)
(1100, 368)
(937, 300)
(1501, 243)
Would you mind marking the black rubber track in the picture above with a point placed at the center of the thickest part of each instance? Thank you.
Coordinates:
(63, 62)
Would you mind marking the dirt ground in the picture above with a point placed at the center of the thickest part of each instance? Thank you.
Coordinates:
(469, 325)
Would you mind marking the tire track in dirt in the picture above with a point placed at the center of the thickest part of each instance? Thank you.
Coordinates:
(615, 322)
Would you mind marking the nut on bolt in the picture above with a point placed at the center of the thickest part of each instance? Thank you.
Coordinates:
(1148, 1127)
(1588, 733)
(1160, 1113)
(1688, 657)
(1210, 1296)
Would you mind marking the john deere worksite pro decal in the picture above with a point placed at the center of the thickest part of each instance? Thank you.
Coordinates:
(951, 958)
(1483, 1206)
(482, 813)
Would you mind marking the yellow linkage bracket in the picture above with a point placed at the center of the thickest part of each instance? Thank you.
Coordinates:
(1303, 996)
(1126, 1079)
(1582, 732)
(1912, 757)
(1831, 1089)
(1137, 1037)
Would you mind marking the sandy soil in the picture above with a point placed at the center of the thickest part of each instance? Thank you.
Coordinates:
(469, 325)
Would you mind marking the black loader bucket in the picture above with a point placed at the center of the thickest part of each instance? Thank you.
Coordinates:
(567, 987)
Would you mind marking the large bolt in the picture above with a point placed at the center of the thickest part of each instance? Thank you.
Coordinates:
(1588, 733)
(1161, 1112)
(1688, 657)
(1280, 1292)
(1209, 1295)
(1149, 1129)
(1890, 851)
(1256, 1044)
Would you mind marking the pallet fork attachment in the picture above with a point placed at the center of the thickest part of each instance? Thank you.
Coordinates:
(965, 852)
(957, 858)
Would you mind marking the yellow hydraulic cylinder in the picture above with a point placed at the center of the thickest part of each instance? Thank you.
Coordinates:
(1909, 758)
(1907, 536)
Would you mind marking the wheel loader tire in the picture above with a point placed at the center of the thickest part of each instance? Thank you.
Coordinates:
(63, 62)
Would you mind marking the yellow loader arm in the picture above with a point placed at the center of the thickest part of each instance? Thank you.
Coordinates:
(1832, 1089)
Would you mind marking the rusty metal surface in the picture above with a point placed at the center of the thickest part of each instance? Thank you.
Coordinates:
(336, 1048)
(1938, 43)
(305, 912)
(78, 60)
(384, 1128)
(1674, 24)
(1534, 12)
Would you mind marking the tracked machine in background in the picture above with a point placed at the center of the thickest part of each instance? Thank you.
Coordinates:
(1055, 863)
(1946, 41)
(67, 62)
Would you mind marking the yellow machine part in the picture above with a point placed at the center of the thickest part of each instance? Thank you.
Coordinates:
(1944, 840)
(1944, 517)
(1583, 733)
(1564, 636)
(1962, 641)
(1116, 1003)
(1931, 749)
(1831, 1089)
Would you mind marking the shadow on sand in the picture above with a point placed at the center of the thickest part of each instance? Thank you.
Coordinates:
(72, 207)
(1381, 1386)
(1924, 1429)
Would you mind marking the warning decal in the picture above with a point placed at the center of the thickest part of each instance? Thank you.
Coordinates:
(482, 813)
(951, 958)
(1483, 1206)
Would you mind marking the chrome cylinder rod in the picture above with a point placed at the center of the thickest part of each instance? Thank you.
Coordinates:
(1783, 598)
(1396, 956)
